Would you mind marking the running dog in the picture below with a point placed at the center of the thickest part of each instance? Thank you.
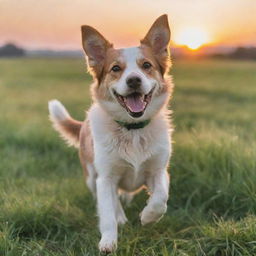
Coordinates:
(125, 141)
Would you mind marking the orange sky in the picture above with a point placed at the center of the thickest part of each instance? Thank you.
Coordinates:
(56, 23)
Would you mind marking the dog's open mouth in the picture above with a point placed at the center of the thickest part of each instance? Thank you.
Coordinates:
(135, 103)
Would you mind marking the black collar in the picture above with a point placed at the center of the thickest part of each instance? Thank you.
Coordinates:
(133, 126)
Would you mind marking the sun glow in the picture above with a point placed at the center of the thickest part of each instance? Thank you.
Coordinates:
(193, 38)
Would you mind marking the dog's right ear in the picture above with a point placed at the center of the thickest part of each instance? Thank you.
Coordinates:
(95, 47)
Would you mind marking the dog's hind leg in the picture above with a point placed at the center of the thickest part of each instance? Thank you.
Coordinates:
(91, 179)
(121, 217)
(126, 197)
(86, 155)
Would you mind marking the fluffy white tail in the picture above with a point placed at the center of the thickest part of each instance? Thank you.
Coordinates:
(68, 128)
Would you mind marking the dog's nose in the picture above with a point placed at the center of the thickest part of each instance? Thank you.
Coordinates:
(134, 82)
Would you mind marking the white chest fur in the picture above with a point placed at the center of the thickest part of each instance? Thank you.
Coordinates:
(133, 146)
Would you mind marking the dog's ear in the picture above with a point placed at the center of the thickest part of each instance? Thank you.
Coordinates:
(158, 39)
(95, 47)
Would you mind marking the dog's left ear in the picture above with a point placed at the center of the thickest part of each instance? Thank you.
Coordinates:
(158, 39)
(95, 47)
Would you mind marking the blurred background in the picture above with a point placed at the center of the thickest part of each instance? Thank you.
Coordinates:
(52, 27)
(46, 208)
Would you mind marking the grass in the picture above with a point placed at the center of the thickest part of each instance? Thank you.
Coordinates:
(46, 208)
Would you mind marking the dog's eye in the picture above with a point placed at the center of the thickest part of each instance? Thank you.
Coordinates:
(116, 68)
(146, 65)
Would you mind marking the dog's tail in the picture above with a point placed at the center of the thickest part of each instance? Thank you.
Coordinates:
(68, 128)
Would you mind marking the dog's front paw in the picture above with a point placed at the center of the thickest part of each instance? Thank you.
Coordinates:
(152, 213)
(107, 244)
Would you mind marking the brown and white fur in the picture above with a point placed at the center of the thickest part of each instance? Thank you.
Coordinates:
(117, 160)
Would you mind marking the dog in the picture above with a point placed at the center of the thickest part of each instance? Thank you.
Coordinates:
(125, 141)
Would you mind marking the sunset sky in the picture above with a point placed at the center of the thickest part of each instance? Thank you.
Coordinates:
(55, 24)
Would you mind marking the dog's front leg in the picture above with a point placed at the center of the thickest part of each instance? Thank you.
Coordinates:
(158, 184)
(107, 204)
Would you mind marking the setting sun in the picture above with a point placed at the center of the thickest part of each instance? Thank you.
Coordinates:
(193, 38)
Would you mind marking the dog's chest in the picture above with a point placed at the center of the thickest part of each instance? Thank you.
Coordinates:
(135, 147)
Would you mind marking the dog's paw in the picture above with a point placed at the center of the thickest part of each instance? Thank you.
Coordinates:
(121, 219)
(107, 244)
(152, 213)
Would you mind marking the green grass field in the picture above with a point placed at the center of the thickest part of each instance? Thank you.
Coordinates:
(45, 207)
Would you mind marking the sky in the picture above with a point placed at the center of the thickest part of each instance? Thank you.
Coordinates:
(55, 24)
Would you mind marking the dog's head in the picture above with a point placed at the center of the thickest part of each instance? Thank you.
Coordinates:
(130, 82)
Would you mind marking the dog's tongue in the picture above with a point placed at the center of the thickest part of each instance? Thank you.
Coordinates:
(135, 102)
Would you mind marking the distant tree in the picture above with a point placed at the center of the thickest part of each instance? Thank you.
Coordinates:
(244, 53)
(11, 50)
